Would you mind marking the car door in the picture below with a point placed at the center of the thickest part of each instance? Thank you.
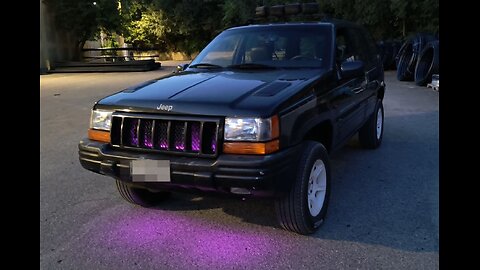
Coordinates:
(373, 70)
(349, 93)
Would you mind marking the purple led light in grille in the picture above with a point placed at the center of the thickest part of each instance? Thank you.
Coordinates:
(147, 133)
(148, 142)
(133, 132)
(178, 136)
(180, 146)
(195, 129)
(214, 143)
(162, 135)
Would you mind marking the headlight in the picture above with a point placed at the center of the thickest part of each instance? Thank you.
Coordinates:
(101, 119)
(251, 129)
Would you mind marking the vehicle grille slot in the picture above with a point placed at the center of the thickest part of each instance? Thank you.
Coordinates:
(145, 133)
(161, 132)
(166, 134)
(209, 138)
(194, 136)
(116, 131)
(178, 136)
(130, 135)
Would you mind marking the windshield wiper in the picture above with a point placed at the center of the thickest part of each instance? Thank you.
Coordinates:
(251, 66)
(204, 65)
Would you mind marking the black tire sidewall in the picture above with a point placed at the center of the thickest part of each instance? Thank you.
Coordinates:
(140, 196)
(368, 132)
(379, 106)
(314, 151)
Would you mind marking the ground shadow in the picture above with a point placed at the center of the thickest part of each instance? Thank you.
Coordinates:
(387, 196)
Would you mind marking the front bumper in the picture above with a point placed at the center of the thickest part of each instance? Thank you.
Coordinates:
(263, 176)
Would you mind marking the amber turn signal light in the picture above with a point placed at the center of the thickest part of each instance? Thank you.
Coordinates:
(251, 148)
(99, 135)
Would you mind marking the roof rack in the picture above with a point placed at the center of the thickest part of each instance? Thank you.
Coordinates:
(304, 11)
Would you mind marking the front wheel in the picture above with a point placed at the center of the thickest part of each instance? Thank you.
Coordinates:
(140, 196)
(304, 208)
(371, 133)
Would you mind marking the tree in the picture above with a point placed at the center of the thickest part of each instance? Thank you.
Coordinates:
(171, 25)
(149, 30)
(193, 23)
(188, 25)
(84, 18)
(237, 12)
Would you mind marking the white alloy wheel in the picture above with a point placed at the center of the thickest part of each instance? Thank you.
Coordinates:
(379, 123)
(317, 187)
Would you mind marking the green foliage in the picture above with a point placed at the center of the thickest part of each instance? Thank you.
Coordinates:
(149, 30)
(83, 19)
(188, 25)
(172, 25)
(387, 18)
(237, 12)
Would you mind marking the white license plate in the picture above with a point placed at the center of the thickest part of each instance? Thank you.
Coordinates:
(145, 170)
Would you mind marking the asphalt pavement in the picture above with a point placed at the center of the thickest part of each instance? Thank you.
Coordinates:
(383, 211)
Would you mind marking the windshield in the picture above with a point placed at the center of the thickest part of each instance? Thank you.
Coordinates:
(291, 46)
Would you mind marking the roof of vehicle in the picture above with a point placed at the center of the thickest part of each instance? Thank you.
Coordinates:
(336, 22)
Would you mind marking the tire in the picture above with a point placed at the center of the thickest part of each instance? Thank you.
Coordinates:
(400, 51)
(408, 55)
(140, 196)
(427, 64)
(295, 211)
(371, 133)
(404, 57)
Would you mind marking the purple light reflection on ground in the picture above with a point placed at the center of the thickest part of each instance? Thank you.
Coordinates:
(190, 239)
(230, 249)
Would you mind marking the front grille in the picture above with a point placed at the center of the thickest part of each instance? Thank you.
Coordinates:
(176, 135)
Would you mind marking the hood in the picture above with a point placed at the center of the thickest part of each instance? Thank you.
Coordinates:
(239, 93)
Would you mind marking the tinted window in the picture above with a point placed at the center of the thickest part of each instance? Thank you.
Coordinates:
(352, 45)
(279, 46)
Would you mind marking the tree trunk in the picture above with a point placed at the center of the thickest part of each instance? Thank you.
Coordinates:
(78, 54)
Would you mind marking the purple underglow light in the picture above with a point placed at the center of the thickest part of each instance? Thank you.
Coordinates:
(195, 137)
(199, 242)
(133, 132)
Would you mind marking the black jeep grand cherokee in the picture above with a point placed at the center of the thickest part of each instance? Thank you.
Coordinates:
(254, 114)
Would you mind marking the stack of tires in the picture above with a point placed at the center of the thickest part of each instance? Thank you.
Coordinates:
(418, 59)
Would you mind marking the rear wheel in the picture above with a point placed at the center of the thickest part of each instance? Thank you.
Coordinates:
(371, 134)
(140, 196)
(304, 208)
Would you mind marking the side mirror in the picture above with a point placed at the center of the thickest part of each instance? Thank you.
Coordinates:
(351, 69)
(180, 68)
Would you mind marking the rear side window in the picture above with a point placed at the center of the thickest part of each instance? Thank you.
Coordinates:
(370, 44)
(351, 45)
